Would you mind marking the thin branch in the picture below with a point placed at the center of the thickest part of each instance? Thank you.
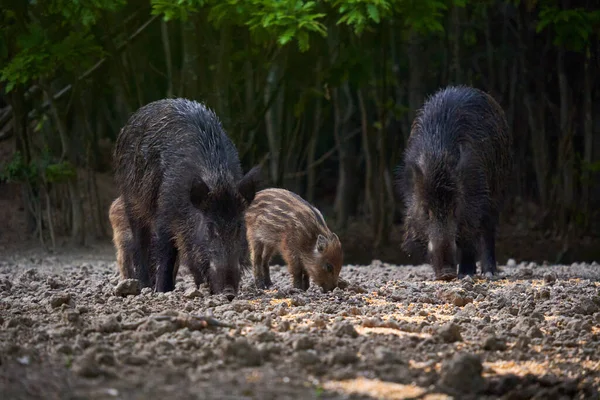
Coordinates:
(8, 110)
(323, 158)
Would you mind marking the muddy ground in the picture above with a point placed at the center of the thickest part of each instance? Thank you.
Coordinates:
(70, 331)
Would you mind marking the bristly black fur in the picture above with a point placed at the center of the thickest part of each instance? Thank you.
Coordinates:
(181, 178)
(453, 177)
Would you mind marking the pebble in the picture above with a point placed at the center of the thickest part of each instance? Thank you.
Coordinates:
(59, 299)
(450, 333)
(492, 343)
(192, 293)
(462, 373)
(343, 356)
(345, 329)
(549, 278)
(303, 343)
(306, 358)
(128, 287)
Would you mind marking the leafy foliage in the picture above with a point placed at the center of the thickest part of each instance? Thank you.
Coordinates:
(53, 37)
(572, 28)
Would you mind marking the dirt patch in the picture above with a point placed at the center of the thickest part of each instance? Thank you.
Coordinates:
(68, 332)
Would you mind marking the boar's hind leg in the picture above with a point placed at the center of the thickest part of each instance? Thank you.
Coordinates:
(142, 239)
(467, 264)
(166, 255)
(256, 254)
(266, 258)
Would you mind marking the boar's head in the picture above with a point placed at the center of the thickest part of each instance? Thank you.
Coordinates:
(326, 262)
(436, 208)
(220, 232)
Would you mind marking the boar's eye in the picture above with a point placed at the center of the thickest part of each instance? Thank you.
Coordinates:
(329, 267)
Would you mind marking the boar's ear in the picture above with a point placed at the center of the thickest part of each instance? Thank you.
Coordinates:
(334, 237)
(321, 243)
(199, 193)
(248, 184)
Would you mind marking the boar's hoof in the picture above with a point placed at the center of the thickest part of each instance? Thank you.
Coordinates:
(229, 293)
(447, 274)
(263, 284)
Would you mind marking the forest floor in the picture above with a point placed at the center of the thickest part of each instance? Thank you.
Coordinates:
(70, 330)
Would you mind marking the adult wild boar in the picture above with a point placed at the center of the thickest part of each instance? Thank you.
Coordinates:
(180, 178)
(453, 180)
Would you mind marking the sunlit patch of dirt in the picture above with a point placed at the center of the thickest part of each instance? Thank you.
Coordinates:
(389, 331)
(522, 368)
(382, 390)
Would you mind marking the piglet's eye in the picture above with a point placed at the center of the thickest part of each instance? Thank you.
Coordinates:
(329, 267)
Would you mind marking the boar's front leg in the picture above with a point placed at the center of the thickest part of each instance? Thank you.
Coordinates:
(305, 280)
(166, 255)
(488, 253)
(467, 264)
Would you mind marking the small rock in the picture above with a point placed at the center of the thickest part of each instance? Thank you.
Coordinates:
(192, 293)
(534, 332)
(109, 325)
(511, 263)
(263, 334)
(345, 329)
(549, 278)
(463, 373)
(86, 365)
(303, 343)
(25, 360)
(244, 353)
(343, 357)
(306, 358)
(383, 356)
(59, 299)
(458, 297)
(525, 273)
(450, 333)
(283, 326)
(493, 343)
(71, 316)
(128, 287)
(133, 359)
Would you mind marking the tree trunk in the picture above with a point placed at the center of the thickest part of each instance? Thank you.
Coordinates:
(312, 143)
(456, 38)
(343, 109)
(20, 122)
(273, 123)
(77, 218)
(588, 132)
(415, 83)
(164, 30)
(565, 153)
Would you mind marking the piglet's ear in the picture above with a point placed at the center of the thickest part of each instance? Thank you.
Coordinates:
(199, 193)
(248, 185)
(321, 243)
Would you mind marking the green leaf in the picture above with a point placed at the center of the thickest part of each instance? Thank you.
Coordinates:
(373, 12)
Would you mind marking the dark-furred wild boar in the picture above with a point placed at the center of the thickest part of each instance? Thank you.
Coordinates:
(123, 242)
(280, 220)
(453, 180)
(180, 178)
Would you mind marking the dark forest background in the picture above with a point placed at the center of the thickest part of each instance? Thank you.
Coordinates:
(322, 93)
